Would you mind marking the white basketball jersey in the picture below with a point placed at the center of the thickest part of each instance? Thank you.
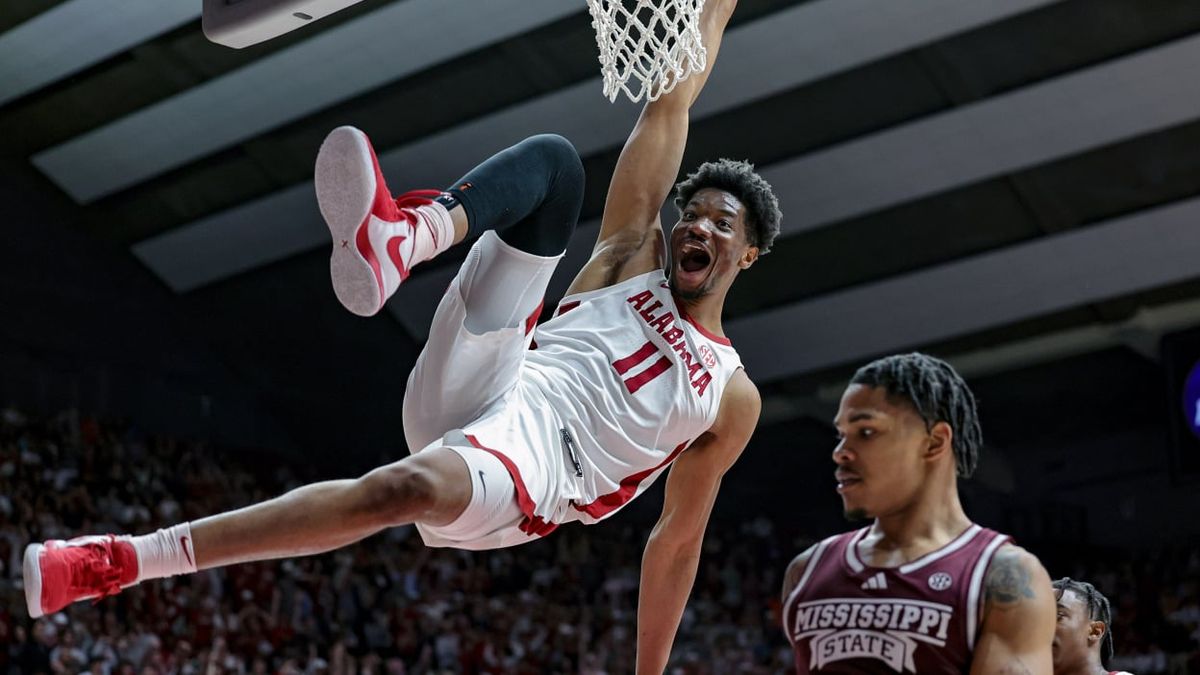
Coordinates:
(633, 381)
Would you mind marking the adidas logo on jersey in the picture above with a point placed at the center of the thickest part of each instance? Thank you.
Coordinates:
(877, 582)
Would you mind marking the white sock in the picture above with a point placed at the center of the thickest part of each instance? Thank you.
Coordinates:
(434, 232)
(165, 553)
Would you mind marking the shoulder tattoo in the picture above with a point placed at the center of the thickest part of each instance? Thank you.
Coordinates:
(1008, 581)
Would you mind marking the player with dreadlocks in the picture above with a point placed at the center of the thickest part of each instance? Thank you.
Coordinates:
(1083, 642)
(922, 589)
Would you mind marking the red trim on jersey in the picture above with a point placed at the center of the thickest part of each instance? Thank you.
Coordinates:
(704, 331)
(606, 504)
(532, 524)
(531, 321)
(566, 307)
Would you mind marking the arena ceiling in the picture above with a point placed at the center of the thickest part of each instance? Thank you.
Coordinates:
(1005, 182)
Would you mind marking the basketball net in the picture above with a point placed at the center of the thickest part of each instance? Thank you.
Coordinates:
(648, 49)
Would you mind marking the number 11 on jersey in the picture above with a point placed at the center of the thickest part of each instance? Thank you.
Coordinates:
(639, 379)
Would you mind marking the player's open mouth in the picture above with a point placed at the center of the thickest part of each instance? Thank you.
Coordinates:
(693, 259)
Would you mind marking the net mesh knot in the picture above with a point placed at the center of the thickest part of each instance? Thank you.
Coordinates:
(647, 46)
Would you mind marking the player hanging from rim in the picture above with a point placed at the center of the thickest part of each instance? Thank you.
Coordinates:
(508, 442)
(922, 589)
(1083, 642)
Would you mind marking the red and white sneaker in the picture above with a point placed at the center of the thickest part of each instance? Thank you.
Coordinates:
(58, 573)
(376, 239)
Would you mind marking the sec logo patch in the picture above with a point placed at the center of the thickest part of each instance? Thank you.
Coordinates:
(710, 359)
(940, 581)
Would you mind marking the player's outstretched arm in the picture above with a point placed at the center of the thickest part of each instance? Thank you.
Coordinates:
(630, 231)
(1018, 619)
(673, 549)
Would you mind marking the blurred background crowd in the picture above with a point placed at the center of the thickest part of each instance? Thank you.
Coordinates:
(566, 604)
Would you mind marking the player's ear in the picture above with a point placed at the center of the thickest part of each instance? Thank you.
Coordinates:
(941, 441)
(1096, 631)
(748, 257)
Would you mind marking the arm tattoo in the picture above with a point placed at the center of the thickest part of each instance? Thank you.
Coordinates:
(1008, 581)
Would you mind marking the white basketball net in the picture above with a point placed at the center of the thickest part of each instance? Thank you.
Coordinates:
(648, 47)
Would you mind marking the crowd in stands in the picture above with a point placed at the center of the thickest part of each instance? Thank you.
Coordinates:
(1155, 600)
(566, 604)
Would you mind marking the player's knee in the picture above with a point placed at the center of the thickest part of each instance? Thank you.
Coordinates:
(559, 153)
(399, 493)
(556, 149)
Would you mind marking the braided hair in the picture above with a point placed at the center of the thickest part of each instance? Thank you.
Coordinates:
(937, 392)
(1097, 607)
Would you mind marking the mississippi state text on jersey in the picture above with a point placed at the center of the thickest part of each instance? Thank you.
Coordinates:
(845, 616)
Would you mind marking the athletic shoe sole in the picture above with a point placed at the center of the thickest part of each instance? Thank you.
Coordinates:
(33, 580)
(346, 184)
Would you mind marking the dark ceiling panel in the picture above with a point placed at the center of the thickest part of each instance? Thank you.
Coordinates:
(15, 12)
(802, 120)
(1083, 396)
(1114, 180)
(835, 109)
(808, 385)
(1075, 192)
(1116, 309)
(975, 219)
(281, 332)
(535, 63)
(1052, 41)
(866, 99)
(286, 330)
(398, 113)
(155, 70)
(63, 112)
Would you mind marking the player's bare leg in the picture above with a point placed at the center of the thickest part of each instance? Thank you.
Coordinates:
(432, 487)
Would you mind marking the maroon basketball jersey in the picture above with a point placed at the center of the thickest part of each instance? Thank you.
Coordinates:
(845, 616)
